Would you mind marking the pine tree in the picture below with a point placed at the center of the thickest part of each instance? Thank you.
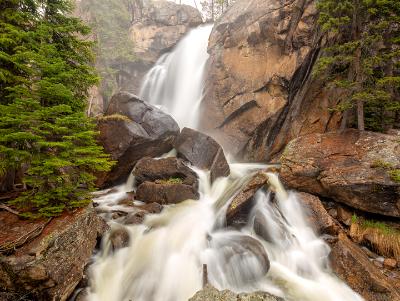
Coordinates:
(45, 74)
(362, 57)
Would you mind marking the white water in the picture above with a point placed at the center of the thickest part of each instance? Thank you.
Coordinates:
(166, 254)
(175, 83)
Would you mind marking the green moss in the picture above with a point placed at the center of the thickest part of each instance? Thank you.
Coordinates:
(381, 164)
(371, 224)
(393, 172)
(395, 175)
(170, 181)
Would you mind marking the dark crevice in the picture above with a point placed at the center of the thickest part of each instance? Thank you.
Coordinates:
(247, 106)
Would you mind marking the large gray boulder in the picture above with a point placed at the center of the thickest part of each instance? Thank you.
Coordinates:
(355, 168)
(259, 92)
(165, 181)
(203, 152)
(131, 130)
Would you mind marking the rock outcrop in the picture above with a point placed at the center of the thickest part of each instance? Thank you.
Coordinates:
(132, 130)
(210, 293)
(259, 90)
(353, 266)
(49, 266)
(351, 167)
(203, 152)
(157, 28)
(165, 181)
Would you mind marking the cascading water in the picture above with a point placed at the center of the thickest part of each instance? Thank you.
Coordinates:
(167, 252)
(175, 83)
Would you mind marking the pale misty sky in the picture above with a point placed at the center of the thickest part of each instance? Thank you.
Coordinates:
(190, 2)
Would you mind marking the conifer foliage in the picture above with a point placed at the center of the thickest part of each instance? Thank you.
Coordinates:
(45, 73)
(363, 57)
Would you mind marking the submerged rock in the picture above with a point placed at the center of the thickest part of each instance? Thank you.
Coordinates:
(243, 199)
(203, 152)
(353, 168)
(49, 266)
(165, 181)
(210, 293)
(132, 130)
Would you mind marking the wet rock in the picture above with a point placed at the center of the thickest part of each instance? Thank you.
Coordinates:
(243, 199)
(210, 293)
(350, 167)
(153, 208)
(317, 216)
(50, 266)
(132, 130)
(259, 94)
(353, 266)
(165, 181)
(119, 238)
(135, 218)
(203, 152)
(236, 251)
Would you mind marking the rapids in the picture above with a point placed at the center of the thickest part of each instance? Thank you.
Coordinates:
(167, 253)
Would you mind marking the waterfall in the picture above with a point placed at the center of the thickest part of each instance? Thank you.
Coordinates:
(167, 252)
(175, 83)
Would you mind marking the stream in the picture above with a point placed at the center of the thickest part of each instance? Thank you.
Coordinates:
(167, 253)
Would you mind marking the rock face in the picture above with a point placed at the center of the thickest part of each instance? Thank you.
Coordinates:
(353, 266)
(346, 167)
(259, 89)
(157, 28)
(203, 152)
(165, 181)
(210, 293)
(49, 266)
(132, 130)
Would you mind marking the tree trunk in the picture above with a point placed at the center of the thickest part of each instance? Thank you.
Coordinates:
(357, 65)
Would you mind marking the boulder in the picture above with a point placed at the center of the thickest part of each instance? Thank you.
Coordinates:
(157, 28)
(259, 92)
(165, 181)
(353, 266)
(132, 130)
(210, 293)
(242, 201)
(203, 152)
(317, 216)
(50, 259)
(353, 168)
(234, 252)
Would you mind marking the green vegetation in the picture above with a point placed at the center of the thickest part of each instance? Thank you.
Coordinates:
(110, 21)
(45, 74)
(383, 238)
(170, 181)
(362, 57)
(394, 173)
